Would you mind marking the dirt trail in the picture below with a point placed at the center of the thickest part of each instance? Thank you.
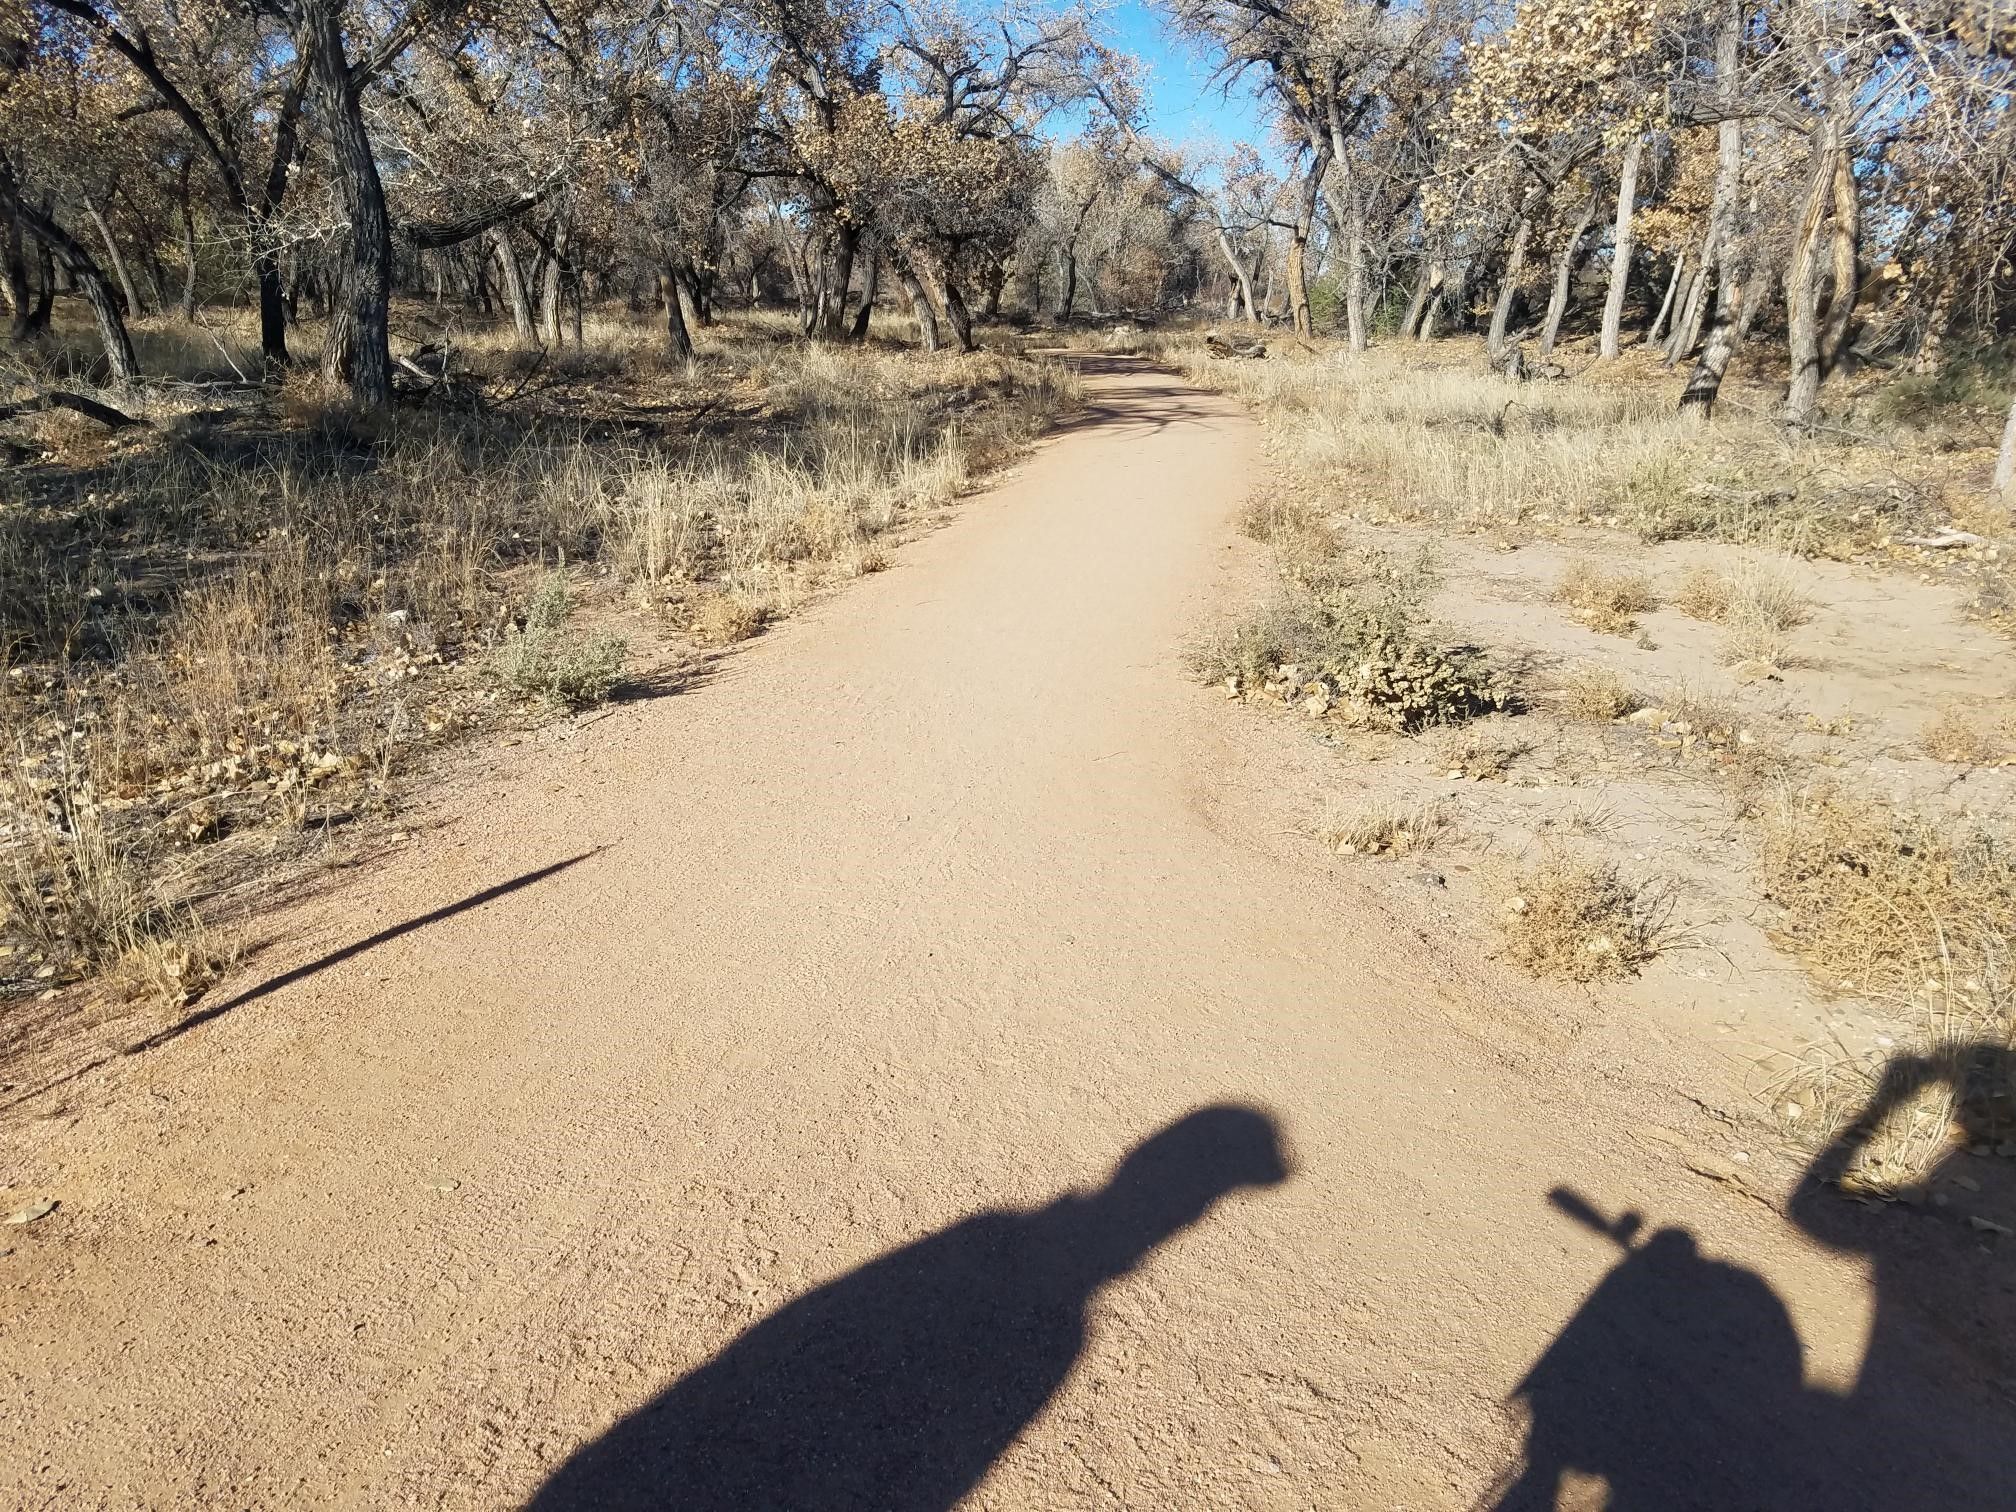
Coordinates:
(934, 903)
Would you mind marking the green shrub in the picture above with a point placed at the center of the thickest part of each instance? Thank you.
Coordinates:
(540, 660)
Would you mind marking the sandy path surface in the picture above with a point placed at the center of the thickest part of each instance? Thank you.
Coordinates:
(775, 1151)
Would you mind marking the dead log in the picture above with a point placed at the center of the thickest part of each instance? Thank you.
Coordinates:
(1222, 346)
(104, 414)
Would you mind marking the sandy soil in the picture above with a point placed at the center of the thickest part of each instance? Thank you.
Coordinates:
(931, 1060)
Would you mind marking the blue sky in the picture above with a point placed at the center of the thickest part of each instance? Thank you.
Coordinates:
(1184, 107)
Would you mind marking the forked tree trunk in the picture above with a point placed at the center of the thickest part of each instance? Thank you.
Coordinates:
(120, 361)
(1242, 281)
(1623, 246)
(1802, 287)
(1673, 281)
(1425, 287)
(1298, 246)
(1067, 282)
(1564, 273)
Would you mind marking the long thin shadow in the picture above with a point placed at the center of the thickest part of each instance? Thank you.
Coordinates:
(369, 942)
(896, 1387)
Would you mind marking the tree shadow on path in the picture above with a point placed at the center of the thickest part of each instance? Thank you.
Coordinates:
(1680, 1383)
(896, 1386)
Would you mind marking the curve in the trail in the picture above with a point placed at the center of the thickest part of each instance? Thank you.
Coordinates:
(776, 1150)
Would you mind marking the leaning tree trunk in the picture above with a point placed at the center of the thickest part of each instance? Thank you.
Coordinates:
(1508, 287)
(1067, 283)
(1564, 273)
(120, 361)
(956, 312)
(920, 302)
(367, 281)
(1298, 246)
(130, 294)
(14, 267)
(1725, 334)
(1622, 248)
(1242, 280)
(1417, 304)
(1802, 288)
(511, 273)
(1673, 282)
(871, 285)
(678, 335)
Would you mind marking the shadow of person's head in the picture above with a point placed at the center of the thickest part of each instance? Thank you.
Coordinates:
(1177, 1175)
(1958, 1094)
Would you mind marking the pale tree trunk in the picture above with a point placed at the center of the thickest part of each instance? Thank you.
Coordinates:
(1242, 293)
(1357, 328)
(1564, 273)
(1673, 282)
(1802, 286)
(2005, 460)
(1938, 320)
(1417, 304)
(1508, 287)
(1725, 249)
(1623, 246)
(366, 323)
(549, 291)
(511, 273)
(112, 254)
(1838, 334)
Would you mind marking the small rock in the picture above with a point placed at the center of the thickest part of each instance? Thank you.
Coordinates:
(32, 1212)
(1990, 1226)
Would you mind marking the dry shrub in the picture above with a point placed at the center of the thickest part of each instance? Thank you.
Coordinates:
(1598, 693)
(540, 659)
(723, 618)
(1891, 904)
(1480, 752)
(1970, 737)
(1388, 829)
(1369, 658)
(1703, 594)
(1603, 600)
(1584, 920)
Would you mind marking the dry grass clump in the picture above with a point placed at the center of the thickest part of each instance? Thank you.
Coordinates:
(1889, 1122)
(1480, 752)
(723, 618)
(1605, 600)
(1583, 920)
(1703, 594)
(84, 901)
(1971, 737)
(1388, 829)
(1596, 693)
(1891, 904)
(540, 659)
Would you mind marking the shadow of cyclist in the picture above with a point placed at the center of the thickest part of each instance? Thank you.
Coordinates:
(1680, 1382)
